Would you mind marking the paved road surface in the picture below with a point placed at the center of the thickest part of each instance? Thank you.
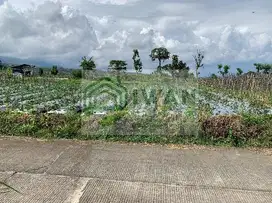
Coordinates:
(86, 172)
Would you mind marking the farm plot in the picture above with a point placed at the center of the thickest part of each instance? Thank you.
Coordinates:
(222, 103)
(61, 96)
(33, 94)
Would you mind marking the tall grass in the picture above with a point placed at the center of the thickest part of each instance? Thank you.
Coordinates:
(256, 88)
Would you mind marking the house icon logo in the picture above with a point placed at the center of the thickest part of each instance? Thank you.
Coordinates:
(109, 87)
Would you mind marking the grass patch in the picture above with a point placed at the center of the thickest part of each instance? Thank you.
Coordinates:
(239, 131)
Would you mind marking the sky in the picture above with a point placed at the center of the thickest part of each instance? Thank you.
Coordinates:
(61, 32)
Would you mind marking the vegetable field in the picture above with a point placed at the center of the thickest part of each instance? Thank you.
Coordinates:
(157, 109)
(32, 94)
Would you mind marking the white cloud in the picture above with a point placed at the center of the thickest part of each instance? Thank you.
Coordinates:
(48, 32)
(65, 30)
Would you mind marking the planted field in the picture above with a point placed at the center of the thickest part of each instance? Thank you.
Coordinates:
(152, 109)
(39, 94)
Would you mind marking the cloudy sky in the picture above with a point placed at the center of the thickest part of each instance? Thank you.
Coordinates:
(63, 31)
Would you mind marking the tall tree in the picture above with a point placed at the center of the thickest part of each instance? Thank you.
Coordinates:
(258, 67)
(198, 61)
(87, 64)
(264, 68)
(226, 69)
(138, 66)
(175, 61)
(118, 66)
(179, 68)
(267, 68)
(239, 71)
(220, 66)
(223, 70)
(161, 54)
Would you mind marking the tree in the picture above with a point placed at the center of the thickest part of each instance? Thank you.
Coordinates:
(183, 69)
(213, 76)
(1, 65)
(198, 61)
(179, 68)
(118, 65)
(220, 66)
(225, 70)
(175, 61)
(265, 68)
(40, 71)
(258, 66)
(87, 64)
(54, 70)
(239, 71)
(161, 54)
(138, 66)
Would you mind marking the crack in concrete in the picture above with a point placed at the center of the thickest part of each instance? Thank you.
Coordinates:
(57, 157)
(159, 183)
(78, 192)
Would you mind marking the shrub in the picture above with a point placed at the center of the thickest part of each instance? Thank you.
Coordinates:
(112, 118)
(246, 126)
(77, 74)
(54, 70)
(40, 71)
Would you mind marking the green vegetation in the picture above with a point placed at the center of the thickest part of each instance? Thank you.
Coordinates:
(161, 54)
(54, 70)
(225, 109)
(40, 71)
(198, 58)
(117, 66)
(77, 74)
(87, 64)
(138, 66)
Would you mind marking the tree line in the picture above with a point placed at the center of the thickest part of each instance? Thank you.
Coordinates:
(177, 68)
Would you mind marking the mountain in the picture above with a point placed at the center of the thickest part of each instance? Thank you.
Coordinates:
(16, 61)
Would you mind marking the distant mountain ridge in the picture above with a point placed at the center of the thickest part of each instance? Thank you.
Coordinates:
(18, 61)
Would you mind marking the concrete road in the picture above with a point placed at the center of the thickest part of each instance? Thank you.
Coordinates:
(86, 172)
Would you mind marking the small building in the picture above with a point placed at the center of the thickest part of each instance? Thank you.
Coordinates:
(23, 70)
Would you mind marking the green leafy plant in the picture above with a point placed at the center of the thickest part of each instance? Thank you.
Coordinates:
(112, 118)
(239, 71)
(77, 74)
(161, 54)
(138, 66)
(198, 58)
(9, 72)
(54, 70)
(87, 63)
(40, 71)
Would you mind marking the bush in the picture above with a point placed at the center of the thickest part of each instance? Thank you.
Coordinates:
(54, 70)
(246, 126)
(112, 118)
(40, 71)
(40, 125)
(77, 74)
